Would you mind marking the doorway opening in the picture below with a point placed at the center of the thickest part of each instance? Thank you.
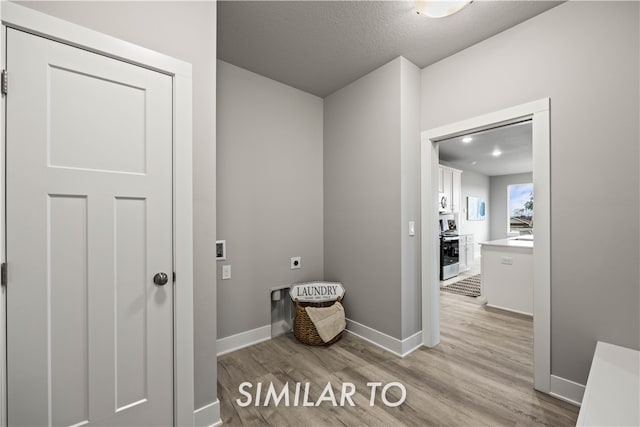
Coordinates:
(538, 113)
(486, 177)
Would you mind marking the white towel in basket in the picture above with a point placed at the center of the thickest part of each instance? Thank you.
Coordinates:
(329, 321)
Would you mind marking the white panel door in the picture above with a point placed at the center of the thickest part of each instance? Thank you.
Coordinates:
(89, 224)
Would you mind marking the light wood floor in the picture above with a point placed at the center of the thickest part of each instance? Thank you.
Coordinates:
(480, 374)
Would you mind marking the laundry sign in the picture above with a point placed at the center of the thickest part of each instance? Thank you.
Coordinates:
(316, 291)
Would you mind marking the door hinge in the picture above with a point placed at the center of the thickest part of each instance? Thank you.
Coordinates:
(5, 82)
(3, 274)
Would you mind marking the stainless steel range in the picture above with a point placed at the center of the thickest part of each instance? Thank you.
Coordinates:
(449, 255)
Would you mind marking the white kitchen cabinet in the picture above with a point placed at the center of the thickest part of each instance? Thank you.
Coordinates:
(456, 191)
(447, 182)
(466, 253)
(462, 254)
(450, 183)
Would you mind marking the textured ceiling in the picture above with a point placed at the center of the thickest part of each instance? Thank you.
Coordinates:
(320, 47)
(514, 141)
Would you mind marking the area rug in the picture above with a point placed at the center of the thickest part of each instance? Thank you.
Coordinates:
(469, 287)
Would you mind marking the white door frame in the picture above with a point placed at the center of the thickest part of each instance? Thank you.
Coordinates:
(538, 111)
(19, 17)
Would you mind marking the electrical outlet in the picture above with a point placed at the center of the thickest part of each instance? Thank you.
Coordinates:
(226, 272)
(296, 262)
(506, 260)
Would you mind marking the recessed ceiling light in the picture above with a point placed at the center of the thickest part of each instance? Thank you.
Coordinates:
(496, 153)
(440, 8)
(467, 139)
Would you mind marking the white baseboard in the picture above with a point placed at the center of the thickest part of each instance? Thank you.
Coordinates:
(566, 390)
(208, 415)
(386, 342)
(243, 339)
(524, 313)
(412, 343)
(398, 347)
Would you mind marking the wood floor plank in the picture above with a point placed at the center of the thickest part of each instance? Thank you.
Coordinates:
(481, 374)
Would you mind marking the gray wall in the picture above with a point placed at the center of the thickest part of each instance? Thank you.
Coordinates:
(476, 185)
(372, 191)
(410, 196)
(362, 209)
(585, 57)
(498, 204)
(187, 31)
(269, 192)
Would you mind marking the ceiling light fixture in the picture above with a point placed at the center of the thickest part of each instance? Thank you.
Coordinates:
(440, 8)
(467, 139)
(496, 153)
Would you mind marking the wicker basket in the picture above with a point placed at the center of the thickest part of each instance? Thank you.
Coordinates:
(304, 329)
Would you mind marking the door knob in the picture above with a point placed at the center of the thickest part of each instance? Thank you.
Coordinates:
(160, 279)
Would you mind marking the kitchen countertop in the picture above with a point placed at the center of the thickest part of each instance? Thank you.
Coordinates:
(512, 242)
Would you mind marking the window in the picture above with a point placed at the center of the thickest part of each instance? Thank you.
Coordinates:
(520, 207)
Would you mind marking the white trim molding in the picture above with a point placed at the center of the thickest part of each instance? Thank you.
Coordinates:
(412, 343)
(521, 313)
(38, 23)
(567, 390)
(3, 258)
(23, 18)
(208, 415)
(538, 112)
(393, 345)
(243, 339)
